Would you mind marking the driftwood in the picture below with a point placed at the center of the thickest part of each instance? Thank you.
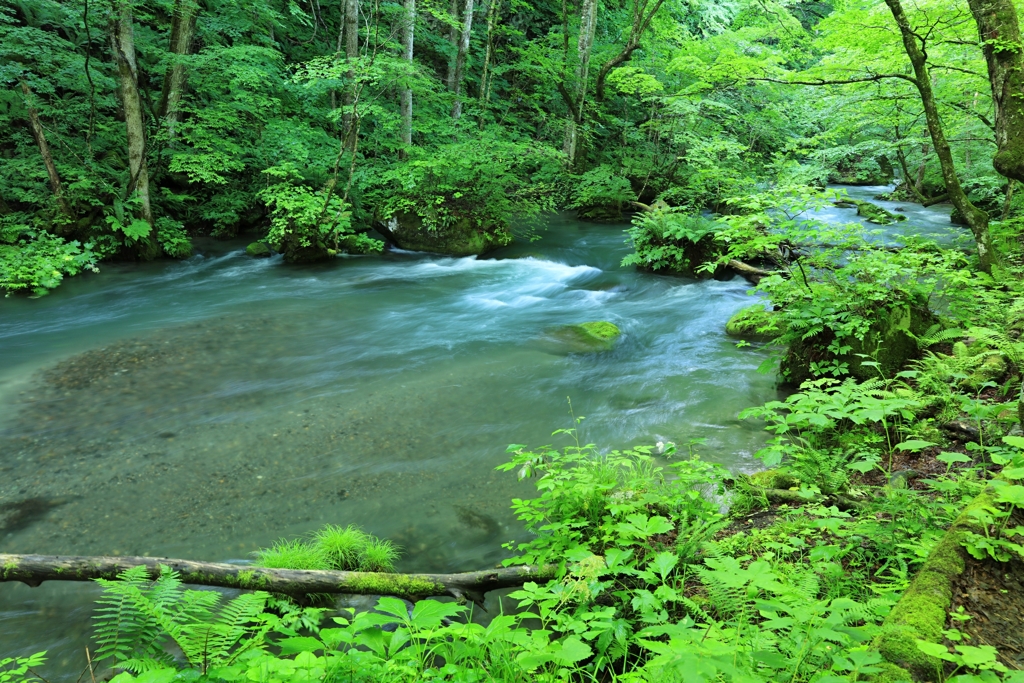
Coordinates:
(34, 569)
(752, 273)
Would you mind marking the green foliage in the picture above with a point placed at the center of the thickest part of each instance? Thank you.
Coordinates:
(137, 618)
(33, 259)
(14, 669)
(673, 240)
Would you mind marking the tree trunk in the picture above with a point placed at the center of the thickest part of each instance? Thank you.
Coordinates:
(44, 151)
(123, 43)
(1008, 201)
(485, 87)
(351, 55)
(641, 20)
(902, 158)
(999, 31)
(977, 220)
(453, 40)
(407, 44)
(183, 26)
(34, 569)
(584, 45)
(460, 58)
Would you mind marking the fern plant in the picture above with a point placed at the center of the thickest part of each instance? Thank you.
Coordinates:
(137, 619)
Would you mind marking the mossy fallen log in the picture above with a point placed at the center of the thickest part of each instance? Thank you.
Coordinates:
(921, 612)
(35, 569)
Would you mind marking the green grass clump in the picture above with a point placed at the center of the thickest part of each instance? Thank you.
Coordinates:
(342, 546)
(379, 555)
(332, 547)
(295, 554)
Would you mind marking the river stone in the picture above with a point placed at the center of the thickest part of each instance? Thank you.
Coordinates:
(258, 250)
(871, 212)
(462, 238)
(586, 337)
(754, 323)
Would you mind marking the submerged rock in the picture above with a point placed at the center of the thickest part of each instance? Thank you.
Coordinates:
(585, 337)
(258, 250)
(754, 323)
(462, 238)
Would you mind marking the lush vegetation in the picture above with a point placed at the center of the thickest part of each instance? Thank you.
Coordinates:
(136, 126)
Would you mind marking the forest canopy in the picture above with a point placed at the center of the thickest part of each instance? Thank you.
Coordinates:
(132, 126)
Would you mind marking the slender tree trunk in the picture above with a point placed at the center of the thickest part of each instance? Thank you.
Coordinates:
(485, 87)
(999, 31)
(407, 45)
(44, 151)
(123, 43)
(351, 55)
(902, 158)
(977, 220)
(1008, 201)
(584, 46)
(453, 40)
(183, 26)
(460, 58)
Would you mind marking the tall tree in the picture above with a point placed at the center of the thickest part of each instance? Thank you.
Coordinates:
(122, 41)
(44, 151)
(408, 29)
(999, 31)
(577, 99)
(351, 55)
(460, 58)
(485, 86)
(453, 40)
(977, 220)
(183, 26)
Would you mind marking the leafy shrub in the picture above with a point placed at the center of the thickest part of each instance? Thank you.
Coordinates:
(33, 259)
(673, 240)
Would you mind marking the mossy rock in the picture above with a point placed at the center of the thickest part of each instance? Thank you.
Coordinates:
(601, 213)
(258, 250)
(773, 479)
(585, 337)
(755, 323)
(871, 212)
(462, 238)
(890, 342)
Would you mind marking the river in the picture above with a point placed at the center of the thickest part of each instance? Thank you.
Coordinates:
(206, 408)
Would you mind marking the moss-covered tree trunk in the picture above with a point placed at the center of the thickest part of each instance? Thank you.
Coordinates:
(183, 26)
(351, 55)
(976, 219)
(122, 42)
(460, 58)
(485, 86)
(999, 31)
(44, 151)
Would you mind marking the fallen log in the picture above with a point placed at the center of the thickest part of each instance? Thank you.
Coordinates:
(34, 569)
(787, 497)
(752, 273)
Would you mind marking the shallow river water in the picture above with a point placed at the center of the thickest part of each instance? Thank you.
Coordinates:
(205, 408)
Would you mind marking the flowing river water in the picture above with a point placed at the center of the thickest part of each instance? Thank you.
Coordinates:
(206, 408)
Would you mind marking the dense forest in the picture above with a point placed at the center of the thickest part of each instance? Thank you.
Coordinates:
(880, 533)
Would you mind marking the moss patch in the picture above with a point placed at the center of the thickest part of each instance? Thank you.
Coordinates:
(754, 323)
(583, 337)
(462, 238)
(258, 250)
(921, 612)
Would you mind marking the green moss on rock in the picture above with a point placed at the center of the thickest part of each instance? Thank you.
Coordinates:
(773, 479)
(258, 250)
(872, 213)
(754, 323)
(461, 238)
(889, 342)
(587, 337)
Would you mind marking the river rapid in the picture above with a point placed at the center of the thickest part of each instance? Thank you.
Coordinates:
(203, 409)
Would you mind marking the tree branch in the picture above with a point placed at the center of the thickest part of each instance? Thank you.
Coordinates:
(845, 81)
(34, 569)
